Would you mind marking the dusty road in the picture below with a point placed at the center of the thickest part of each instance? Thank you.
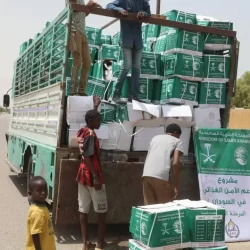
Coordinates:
(14, 207)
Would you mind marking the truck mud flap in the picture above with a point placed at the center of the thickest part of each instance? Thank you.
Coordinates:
(65, 207)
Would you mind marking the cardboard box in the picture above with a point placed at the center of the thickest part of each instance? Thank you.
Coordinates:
(156, 95)
(185, 138)
(152, 109)
(178, 91)
(77, 107)
(160, 44)
(178, 16)
(110, 52)
(153, 32)
(116, 39)
(212, 94)
(119, 137)
(145, 89)
(182, 41)
(177, 111)
(207, 117)
(163, 228)
(108, 112)
(135, 245)
(145, 33)
(122, 113)
(150, 65)
(94, 36)
(212, 248)
(93, 53)
(96, 87)
(134, 115)
(143, 136)
(216, 68)
(106, 39)
(187, 67)
(216, 42)
(125, 90)
(101, 133)
(207, 223)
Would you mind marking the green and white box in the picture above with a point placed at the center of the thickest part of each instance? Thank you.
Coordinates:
(150, 65)
(96, 87)
(124, 93)
(187, 67)
(110, 52)
(122, 113)
(156, 95)
(145, 33)
(135, 245)
(178, 16)
(178, 91)
(212, 94)
(216, 68)
(94, 36)
(108, 112)
(153, 32)
(163, 228)
(116, 39)
(145, 89)
(187, 42)
(212, 248)
(217, 42)
(160, 44)
(106, 39)
(207, 223)
(93, 52)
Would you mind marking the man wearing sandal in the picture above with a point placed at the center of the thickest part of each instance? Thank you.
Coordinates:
(80, 49)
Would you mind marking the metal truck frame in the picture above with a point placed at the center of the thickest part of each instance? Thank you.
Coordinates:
(37, 131)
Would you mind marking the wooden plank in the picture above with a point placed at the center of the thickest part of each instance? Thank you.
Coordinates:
(152, 20)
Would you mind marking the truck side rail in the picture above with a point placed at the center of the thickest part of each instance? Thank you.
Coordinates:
(42, 64)
(153, 20)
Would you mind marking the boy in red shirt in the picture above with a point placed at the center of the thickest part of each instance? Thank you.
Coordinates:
(91, 188)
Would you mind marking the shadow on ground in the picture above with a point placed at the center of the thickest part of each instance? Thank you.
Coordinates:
(116, 235)
(20, 183)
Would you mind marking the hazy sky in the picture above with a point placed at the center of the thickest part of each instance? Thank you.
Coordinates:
(22, 19)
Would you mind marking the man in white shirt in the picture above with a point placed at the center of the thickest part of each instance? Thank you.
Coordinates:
(79, 48)
(157, 186)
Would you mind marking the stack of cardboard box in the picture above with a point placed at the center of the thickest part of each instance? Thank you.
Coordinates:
(181, 224)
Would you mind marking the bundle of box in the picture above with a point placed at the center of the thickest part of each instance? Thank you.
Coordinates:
(128, 127)
(180, 224)
(192, 73)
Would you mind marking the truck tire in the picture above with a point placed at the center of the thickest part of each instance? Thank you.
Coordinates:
(29, 169)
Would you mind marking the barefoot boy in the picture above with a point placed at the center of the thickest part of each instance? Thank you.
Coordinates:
(40, 233)
(91, 187)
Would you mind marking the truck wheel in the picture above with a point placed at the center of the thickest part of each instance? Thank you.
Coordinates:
(29, 169)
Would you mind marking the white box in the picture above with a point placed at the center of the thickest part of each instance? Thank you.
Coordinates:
(152, 109)
(143, 137)
(119, 137)
(102, 133)
(177, 111)
(207, 117)
(77, 107)
(133, 115)
(185, 138)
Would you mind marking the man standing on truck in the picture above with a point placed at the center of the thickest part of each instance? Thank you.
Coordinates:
(131, 43)
(91, 188)
(157, 186)
(79, 48)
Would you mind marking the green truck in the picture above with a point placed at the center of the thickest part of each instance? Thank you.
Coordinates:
(38, 132)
